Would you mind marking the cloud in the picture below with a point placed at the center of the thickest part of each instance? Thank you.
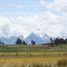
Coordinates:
(58, 5)
(58, 9)
(44, 23)
(48, 22)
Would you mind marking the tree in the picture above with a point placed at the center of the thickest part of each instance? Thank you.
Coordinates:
(62, 41)
(58, 41)
(32, 42)
(19, 41)
(24, 43)
(0, 41)
(66, 41)
(3, 43)
(51, 42)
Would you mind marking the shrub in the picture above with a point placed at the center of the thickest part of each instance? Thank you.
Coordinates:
(62, 63)
(36, 65)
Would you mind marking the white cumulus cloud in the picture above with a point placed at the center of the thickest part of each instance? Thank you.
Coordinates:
(47, 22)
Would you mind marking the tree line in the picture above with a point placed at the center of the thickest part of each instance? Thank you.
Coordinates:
(19, 41)
(56, 41)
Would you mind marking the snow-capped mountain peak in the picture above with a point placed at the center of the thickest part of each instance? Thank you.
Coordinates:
(35, 38)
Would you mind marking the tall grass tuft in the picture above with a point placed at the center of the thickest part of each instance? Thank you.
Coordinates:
(36, 65)
(62, 63)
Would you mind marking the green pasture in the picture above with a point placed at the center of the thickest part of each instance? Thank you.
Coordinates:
(30, 48)
(33, 50)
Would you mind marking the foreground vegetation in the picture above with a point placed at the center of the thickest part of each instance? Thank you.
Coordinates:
(49, 63)
(33, 56)
(33, 50)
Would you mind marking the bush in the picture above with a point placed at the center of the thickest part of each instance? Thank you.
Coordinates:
(62, 63)
(36, 65)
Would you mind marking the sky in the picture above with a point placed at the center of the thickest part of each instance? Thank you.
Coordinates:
(22, 17)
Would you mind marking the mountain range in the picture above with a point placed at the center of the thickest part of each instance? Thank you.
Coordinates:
(10, 40)
(35, 38)
(32, 36)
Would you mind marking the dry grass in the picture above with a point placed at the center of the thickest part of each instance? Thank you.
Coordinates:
(31, 62)
(34, 54)
(60, 63)
(23, 59)
(29, 59)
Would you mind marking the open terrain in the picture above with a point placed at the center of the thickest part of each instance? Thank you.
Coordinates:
(28, 54)
(33, 50)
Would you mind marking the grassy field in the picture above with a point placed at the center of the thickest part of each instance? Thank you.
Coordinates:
(33, 62)
(34, 51)
(32, 48)
(23, 55)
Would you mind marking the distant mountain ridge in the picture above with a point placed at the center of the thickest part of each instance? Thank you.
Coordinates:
(46, 38)
(35, 38)
(32, 36)
(10, 40)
